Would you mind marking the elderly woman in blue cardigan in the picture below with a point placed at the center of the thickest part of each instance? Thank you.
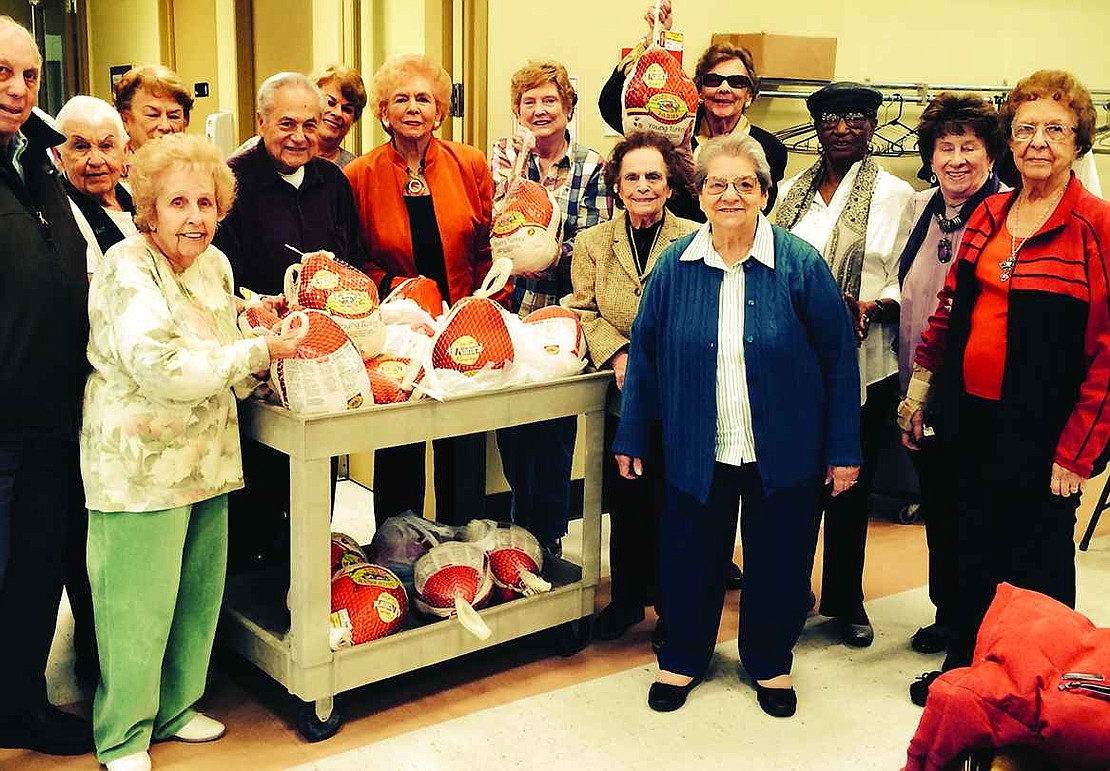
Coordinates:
(743, 349)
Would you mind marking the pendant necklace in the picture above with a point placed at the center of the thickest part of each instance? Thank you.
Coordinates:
(416, 184)
(947, 226)
(1007, 265)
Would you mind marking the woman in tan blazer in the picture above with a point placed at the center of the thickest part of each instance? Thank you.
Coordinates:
(611, 263)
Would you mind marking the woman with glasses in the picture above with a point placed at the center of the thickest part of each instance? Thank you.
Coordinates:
(849, 208)
(742, 351)
(959, 142)
(727, 85)
(1017, 355)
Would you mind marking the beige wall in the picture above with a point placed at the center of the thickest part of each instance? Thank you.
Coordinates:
(121, 32)
(989, 42)
(196, 55)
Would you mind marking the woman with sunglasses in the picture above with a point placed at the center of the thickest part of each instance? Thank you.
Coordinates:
(1017, 354)
(742, 352)
(727, 85)
(959, 141)
(849, 209)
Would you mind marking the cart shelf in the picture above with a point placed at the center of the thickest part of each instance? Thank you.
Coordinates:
(292, 645)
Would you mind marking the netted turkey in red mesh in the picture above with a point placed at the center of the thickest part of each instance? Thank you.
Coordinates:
(326, 374)
(368, 600)
(558, 329)
(526, 226)
(515, 556)
(658, 96)
(387, 378)
(345, 551)
(452, 580)
(322, 282)
(474, 333)
(421, 290)
(257, 319)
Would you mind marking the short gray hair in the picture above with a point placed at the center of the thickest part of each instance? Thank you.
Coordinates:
(730, 146)
(95, 111)
(271, 85)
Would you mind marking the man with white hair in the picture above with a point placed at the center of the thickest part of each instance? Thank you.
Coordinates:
(43, 333)
(93, 158)
(286, 195)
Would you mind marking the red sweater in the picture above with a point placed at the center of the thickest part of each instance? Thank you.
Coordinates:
(1056, 376)
(462, 194)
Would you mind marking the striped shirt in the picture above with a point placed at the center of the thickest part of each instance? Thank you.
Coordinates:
(735, 441)
(578, 184)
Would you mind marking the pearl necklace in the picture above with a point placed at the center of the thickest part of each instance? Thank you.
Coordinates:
(1007, 265)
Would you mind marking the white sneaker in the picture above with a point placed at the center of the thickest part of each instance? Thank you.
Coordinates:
(137, 761)
(200, 729)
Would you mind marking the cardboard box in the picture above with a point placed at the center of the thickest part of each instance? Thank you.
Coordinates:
(787, 56)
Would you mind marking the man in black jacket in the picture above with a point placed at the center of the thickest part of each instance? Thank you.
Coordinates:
(43, 333)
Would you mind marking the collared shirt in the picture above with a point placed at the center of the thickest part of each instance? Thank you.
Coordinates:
(14, 150)
(735, 439)
(577, 182)
(877, 359)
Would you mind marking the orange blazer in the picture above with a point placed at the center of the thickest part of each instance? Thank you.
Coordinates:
(462, 195)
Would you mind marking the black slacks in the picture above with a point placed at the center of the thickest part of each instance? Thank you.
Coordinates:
(1011, 527)
(779, 537)
(459, 479)
(39, 492)
(846, 515)
(634, 507)
(938, 510)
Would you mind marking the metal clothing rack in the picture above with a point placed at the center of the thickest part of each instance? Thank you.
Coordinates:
(893, 137)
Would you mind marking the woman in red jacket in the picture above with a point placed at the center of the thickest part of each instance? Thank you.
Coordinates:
(425, 209)
(1018, 358)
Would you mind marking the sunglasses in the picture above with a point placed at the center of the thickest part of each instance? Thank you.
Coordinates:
(737, 82)
(853, 120)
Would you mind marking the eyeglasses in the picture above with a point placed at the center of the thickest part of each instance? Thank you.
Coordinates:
(714, 80)
(743, 185)
(1053, 132)
(853, 120)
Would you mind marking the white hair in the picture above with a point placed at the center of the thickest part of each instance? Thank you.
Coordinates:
(8, 23)
(271, 85)
(93, 111)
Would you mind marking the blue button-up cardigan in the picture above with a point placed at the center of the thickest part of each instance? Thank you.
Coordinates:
(800, 351)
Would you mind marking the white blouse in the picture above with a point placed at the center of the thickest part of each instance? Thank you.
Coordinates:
(877, 358)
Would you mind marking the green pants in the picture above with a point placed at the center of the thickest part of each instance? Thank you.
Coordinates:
(157, 583)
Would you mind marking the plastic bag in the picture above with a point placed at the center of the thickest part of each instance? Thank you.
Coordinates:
(515, 556)
(452, 580)
(326, 374)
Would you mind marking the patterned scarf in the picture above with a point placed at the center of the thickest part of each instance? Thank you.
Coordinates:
(846, 245)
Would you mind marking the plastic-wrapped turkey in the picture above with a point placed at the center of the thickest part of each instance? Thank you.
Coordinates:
(452, 580)
(515, 556)
(526, 226)
(658, 96)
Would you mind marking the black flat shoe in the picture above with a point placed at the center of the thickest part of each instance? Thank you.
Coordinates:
(614, 620)
(777, 702)
(657, 637)
(856, 629)
(734, 578)
(664, 697)
(48, 730)
(930, 639)
(919, 688)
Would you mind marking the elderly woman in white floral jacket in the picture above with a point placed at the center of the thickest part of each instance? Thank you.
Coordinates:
(160, 449)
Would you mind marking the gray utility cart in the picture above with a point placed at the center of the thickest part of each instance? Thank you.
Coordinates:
(292, 645)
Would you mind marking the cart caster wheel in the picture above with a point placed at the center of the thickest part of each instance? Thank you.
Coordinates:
(909, 514)
(572, 637)
(312, 728)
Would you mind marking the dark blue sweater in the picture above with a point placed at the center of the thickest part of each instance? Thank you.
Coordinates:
(802, 368)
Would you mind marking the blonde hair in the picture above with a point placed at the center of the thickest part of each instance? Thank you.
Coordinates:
(399, 70)
(176, 152)
(537, 73)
